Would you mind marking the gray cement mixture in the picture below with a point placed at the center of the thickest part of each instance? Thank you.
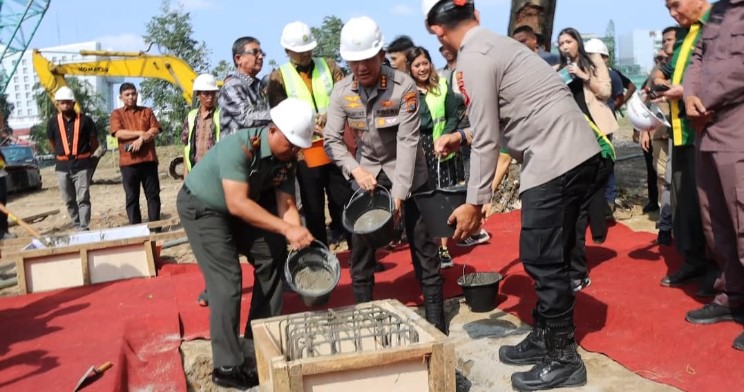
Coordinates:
(371, 220)
(313, 279)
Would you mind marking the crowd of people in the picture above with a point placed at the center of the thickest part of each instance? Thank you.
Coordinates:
(395, 121)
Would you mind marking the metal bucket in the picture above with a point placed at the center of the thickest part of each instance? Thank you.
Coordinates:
(370, 216)
(480, 289)
(437, 205)
(313, 272)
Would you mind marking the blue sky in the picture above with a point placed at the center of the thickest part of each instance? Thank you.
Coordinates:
(120, 25)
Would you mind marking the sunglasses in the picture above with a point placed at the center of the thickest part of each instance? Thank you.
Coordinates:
(255, 52)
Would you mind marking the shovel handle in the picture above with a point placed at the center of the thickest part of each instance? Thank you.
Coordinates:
(104, 367)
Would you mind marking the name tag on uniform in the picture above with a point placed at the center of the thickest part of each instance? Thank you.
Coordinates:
(386, 117)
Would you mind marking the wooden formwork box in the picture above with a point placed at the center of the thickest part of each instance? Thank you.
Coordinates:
(78, 265)
(428, 365)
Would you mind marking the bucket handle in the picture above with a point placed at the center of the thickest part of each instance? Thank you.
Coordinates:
(360, 192)
(315, 242)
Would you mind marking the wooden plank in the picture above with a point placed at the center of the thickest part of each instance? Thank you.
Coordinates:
(21, 276)
(266, 349)
(116, 263)
(86, 266)
(353, 361)
(450, 364)
(76, 248)
(150, 256)
(13, 222)
(168, 235)
(280, 375)
(164, 223)
(53, 272)
(295, 377)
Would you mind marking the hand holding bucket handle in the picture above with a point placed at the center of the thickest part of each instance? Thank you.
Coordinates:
(298, 237)
(314, 243)
(364, 179)
(360, 193)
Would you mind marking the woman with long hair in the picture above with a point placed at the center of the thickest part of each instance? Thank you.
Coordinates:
(591, 87)
(438, 108)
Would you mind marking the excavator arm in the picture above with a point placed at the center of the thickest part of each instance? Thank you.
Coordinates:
(117, 64)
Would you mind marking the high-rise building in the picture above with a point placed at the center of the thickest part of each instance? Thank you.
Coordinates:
(21, 91)
(639, 47)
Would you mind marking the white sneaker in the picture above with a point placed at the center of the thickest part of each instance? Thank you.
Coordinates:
(475, 239)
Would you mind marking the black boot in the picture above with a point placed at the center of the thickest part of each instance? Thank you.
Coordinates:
(362, 294)
(529, 351)
(561, 367)
(434, 307)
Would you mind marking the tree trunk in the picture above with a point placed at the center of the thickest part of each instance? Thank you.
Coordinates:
(538, 14)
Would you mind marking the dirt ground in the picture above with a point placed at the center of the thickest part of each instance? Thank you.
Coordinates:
(107, 199)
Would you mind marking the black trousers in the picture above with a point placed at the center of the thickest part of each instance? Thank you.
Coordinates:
(653, 190)
(3, 201)
(592, 214)
(687, 223)
(549, 215)
(315, 184)
(217, 239)
(423, 248)
(146, 175)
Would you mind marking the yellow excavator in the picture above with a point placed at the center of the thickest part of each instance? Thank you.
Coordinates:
(117, 64)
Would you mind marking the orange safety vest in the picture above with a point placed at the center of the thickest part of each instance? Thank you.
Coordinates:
(65, 144)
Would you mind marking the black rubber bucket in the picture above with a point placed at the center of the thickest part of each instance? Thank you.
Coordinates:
(480, 289)
(370, 216)
(437, 205)
(313, 272)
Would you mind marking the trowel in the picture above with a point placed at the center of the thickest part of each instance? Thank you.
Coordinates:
(92, 374)
(25, 225)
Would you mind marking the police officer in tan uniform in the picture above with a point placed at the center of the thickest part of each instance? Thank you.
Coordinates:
(514, 98)
(381, 106)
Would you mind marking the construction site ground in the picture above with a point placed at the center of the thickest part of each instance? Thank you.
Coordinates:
(477, 335)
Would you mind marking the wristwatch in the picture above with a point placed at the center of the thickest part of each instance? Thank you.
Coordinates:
(463, 137)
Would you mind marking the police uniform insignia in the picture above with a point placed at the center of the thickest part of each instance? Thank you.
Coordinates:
(461, 86)
(255, 142)
(354, 85)
(410, 102)
(383, 81)
(387, 104)
(352, 98)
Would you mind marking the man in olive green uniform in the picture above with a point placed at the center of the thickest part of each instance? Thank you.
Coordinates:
(239, 199)
(381, 106)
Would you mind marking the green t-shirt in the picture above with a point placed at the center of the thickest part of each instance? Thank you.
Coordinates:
(244, 156)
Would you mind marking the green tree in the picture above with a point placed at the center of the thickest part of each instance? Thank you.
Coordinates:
(6, 108)
(329, 38)
(222, 69)
(172, 32)
(609, 40)
(90, 104)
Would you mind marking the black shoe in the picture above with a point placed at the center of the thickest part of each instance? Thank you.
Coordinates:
(203, 299)
(664, 238)
(682, 277)
(529, 351)
(739, 342)
(715, 313)
(650, 207)
(235, 377)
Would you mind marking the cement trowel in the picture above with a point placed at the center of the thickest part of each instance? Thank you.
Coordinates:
(92, 374)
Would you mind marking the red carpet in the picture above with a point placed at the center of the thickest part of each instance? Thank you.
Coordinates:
(50, 339)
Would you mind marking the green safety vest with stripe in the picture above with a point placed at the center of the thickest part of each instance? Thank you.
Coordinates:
(322, 82)
(191, 143)
(682, 132)
(437, 109)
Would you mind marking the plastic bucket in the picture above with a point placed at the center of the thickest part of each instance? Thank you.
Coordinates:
(480, 289)
(315, 155)
(313, 272)
(370, 216)
(437, 205)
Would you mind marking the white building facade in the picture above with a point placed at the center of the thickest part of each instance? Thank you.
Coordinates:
(639, 47)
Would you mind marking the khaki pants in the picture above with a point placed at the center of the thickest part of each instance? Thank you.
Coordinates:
(662, 162)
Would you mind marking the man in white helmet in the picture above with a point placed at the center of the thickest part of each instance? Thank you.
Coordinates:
(239, 199)
(201, 127)
(515, 99)
(381, 105)
(311, 79)
(73, 137)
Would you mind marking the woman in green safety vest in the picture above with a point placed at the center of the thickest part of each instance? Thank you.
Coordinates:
(438, 108)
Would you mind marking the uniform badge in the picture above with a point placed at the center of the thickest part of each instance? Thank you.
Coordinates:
(461, 86)
(410, 102)
(383, 81)
(387, 104)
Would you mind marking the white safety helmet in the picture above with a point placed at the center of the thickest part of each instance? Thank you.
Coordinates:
(361, 39)
(205, 82)
(64, 93)
(596, 45)
(644, 116)
(295, 118)
(427, 5)
(298, 37)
